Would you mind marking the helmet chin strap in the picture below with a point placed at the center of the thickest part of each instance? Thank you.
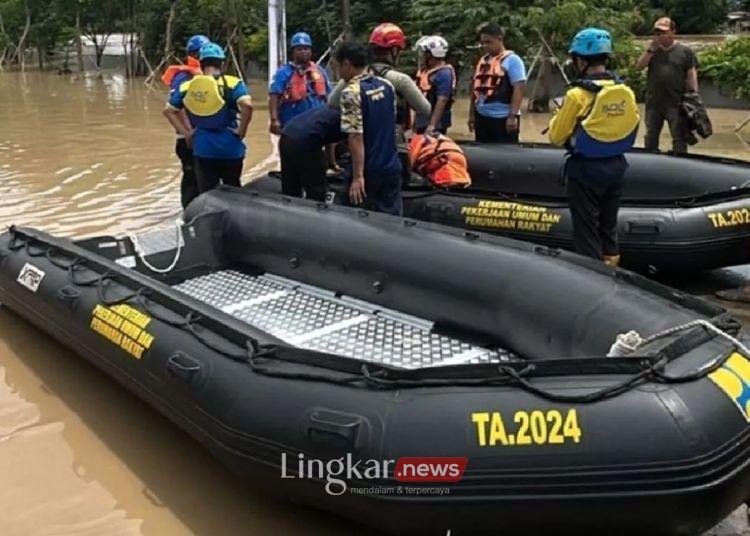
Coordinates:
(581, 72)
(394, 53)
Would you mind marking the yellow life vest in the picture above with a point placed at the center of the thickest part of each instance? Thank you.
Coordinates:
(207, 101)
(610, 126)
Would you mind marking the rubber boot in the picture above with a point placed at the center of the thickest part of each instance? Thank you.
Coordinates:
(612, 260)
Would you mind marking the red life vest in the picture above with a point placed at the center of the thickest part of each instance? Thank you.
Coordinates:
(439, 159)
(192, 66)
(296, 88)
(491, 80)
(424, 82)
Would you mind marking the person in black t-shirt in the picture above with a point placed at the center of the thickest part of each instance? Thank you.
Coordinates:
(672, 71)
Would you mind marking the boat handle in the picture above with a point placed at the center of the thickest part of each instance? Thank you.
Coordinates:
(437, 206)
(647, 227)
(69, 296)
(347, 430)
(183, 366)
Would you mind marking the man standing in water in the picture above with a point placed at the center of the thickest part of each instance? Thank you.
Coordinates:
(297, 86)
(368, 117)
(212, 102)
(172, 78)
(672, 71)
(498, 87)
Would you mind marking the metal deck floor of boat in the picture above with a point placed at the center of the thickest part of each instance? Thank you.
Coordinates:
(317, 319)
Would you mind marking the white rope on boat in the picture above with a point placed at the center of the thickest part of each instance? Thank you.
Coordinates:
(626, 343)
(141, 254)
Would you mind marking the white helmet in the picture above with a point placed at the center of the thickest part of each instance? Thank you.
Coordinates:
(434, 44)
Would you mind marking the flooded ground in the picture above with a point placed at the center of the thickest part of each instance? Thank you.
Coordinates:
(79, 454)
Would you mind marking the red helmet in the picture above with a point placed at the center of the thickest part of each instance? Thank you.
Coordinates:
(388, 35)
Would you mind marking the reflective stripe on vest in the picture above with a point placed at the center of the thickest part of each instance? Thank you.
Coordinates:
(610, 127)
(297, 87)
(207, 101)
(491, 80)
(425, 79)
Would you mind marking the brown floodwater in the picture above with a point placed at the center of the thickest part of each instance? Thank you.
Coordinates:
(79, 454)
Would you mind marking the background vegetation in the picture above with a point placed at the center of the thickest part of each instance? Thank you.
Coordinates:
(162, 26)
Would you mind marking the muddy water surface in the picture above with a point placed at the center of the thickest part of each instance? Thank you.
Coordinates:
(79, 454)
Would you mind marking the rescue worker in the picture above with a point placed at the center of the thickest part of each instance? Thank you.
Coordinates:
(172, 78)
(437, 81)
(386, 43)
(303, 167)
(213, 101)
(297, 86)
(597, 122)
(498, 87)
(368, 117)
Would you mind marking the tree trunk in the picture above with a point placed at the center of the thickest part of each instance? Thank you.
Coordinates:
(79, 42)
(240, 40)
(21, 51)
(540, 95)
(40, 59)
(168, 31)
(5, 50)
(99, 49)
(346, 30)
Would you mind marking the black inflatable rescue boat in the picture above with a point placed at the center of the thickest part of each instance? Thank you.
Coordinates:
(677, 213)
(413, 377)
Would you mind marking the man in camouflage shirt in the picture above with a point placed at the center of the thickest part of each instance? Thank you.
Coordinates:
(368, 117)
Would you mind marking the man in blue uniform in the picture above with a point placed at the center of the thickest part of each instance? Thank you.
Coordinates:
(297, 86)
(597, 122)
(212, 102)
(173, 77)
(368, 117)
(437, 81)
(303, 166)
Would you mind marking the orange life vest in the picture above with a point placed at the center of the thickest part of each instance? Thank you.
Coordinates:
(424, 82)
(192, 66)
(439, 159)
(491, 80)
(296, 88)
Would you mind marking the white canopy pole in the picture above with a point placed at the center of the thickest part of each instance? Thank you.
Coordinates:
(282, 31)
(273, 39)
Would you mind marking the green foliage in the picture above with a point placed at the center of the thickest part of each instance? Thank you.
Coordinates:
(53, 21)
(728, 66)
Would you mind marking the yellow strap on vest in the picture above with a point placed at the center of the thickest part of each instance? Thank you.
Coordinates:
(614, 114)
(204, 94)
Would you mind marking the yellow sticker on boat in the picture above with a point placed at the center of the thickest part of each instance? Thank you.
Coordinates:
(733, 377)
(534, 427)
(124, 326)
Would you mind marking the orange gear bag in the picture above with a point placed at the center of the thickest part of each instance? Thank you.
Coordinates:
(192, 66)
(440, 159)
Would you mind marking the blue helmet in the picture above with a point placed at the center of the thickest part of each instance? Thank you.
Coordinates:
(591, 42)
(212, 50)
(195, 43)
(301, 39)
